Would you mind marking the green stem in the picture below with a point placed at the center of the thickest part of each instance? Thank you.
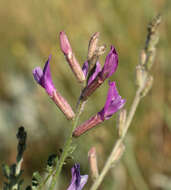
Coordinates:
(65, 151)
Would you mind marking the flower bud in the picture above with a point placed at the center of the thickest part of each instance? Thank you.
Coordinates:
(64, 44)
(101, 50)
(93, 45)
(70, 57)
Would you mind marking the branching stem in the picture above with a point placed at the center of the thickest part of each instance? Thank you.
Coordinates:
(66, 149)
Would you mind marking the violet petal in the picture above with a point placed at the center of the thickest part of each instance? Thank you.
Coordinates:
(85, 68)
(44, 77)
(38, 74)
(78, 181)
(114, 102)
(96, 72)
(111, 64)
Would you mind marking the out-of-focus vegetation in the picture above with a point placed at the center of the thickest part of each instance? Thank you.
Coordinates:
(29, 32)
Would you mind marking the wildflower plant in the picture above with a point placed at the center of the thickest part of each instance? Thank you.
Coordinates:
(91, 75)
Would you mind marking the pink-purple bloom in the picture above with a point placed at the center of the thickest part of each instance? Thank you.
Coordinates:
(111, 64)
(100, 75)
(78, 181)
(44, 78)
(114, 102)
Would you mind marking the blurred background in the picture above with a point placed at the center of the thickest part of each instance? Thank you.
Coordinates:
(29, 32)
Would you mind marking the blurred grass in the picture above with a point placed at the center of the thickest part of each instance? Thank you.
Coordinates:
(29, 33)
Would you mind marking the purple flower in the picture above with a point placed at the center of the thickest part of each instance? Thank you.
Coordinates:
(99, 76)
(45, 80)
(78, 181)
(44, 77)
(114, 102)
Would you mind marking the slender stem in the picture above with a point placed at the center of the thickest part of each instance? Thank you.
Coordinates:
(119, 142)
(106, 167)
(132, 110)
(65, 150)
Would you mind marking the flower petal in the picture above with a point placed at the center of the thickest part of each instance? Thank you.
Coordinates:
(78, 181)
(111, 64)
(47, 78)
(114, 102)
(85, 68)
(96, 72)
(38, 74)
(83, 181)
(44, 77)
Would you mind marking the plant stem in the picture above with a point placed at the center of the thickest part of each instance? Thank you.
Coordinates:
(65, 150)
(152, 40)
(132, 111)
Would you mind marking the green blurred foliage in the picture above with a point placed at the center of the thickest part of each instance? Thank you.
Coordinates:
(29, 32)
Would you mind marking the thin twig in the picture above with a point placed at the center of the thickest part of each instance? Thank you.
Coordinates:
(65, 150)
(142, 90)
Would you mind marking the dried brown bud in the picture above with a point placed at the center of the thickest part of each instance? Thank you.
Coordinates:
(93, 45)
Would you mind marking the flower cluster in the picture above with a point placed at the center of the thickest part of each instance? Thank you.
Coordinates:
(92, 73)
(99, 75)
